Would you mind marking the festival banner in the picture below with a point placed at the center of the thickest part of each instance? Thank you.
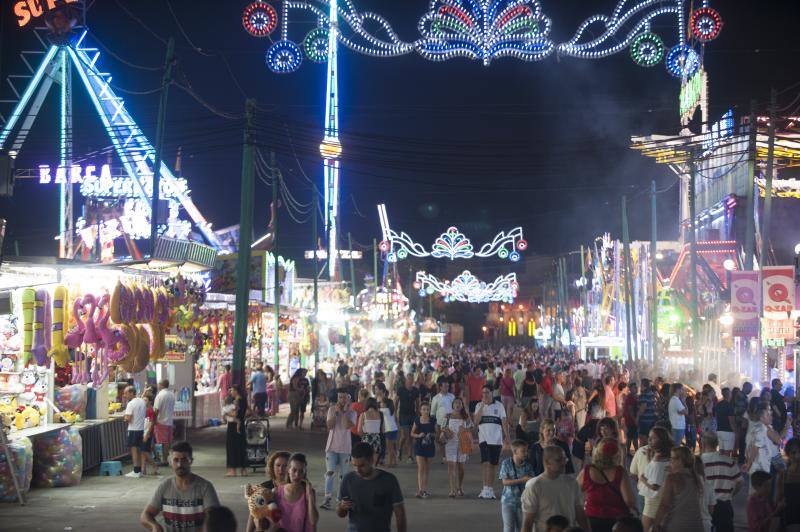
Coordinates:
(778, 291)
(745, 295)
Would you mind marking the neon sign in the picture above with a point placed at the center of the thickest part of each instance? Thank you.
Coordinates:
(720, 131)
(107, 183)
(27, 10)
(693, 94)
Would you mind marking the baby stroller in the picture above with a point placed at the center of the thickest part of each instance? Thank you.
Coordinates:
(257, 434)
(319, 413)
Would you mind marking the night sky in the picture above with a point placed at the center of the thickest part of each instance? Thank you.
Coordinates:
(542, 145)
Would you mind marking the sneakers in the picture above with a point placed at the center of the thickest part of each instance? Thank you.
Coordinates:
(487, 493)
(326, 504)
(134, 474)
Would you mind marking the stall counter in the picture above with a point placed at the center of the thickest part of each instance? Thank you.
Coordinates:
(206, 406)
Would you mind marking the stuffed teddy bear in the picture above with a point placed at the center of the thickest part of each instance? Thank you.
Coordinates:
(263, 508)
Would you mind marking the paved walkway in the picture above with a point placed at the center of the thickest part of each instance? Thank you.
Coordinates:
(115, 503)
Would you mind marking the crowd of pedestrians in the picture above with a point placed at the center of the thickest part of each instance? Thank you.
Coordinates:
(570, 445)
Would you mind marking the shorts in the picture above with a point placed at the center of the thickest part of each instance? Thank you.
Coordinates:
(405, 421)
(135, 438)
(147, 445)
(644, 428)
(162, 433)
(390, 436)
(490, 453)
(727, 440)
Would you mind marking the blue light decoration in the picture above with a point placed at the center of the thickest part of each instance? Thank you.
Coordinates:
(284, 57)
(484, 30)
(468, 288)
(682, 61)
(331, 147)
(452, 244)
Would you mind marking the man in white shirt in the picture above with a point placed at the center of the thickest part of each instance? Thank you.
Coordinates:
(559, 397)
(135, 413)
(442, 402)
(552, 493)
(677, 413)
(490, 417)
(712, 381)
(164, 407)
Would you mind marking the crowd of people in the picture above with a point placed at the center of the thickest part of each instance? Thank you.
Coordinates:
(563, 444)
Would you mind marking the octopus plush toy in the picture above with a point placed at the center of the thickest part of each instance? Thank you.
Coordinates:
(263, 508)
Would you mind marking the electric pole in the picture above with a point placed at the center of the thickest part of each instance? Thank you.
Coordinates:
(276, 176)
(169, 62)
(245, 237)
(750, 228)
(653, 276)
(693, 259)
(764, 258)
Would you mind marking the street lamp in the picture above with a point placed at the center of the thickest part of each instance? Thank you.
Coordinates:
(659, 255)
(729, 265)
(726, 319)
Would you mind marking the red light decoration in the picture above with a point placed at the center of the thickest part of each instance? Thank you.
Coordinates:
(522, 244)
(384, 246)
(259, 19)
(456, 12)
(706, 23)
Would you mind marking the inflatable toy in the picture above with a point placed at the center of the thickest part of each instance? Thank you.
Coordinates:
(70, 398)
(28, 311)
(112, 338)
(74, 337)
(90, 308)
(21, 450)
(58, 459)
(59, 351)
(41, 333)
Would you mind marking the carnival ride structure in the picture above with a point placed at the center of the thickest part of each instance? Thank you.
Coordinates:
(132, 186)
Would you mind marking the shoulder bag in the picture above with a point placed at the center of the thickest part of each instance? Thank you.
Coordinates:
(465, 445)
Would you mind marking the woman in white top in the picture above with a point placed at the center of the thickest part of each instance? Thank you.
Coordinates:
(458, 420)
(762, 440)
(655, 474)
(370, 427)
(386, 406)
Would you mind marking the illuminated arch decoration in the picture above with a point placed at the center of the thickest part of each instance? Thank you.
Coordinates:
(485, 30)
(452, 244)
(259, 19)
(468, 288)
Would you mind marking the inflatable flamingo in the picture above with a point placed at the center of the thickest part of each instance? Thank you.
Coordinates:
(74, 337)
(90, 336)
(112, 338)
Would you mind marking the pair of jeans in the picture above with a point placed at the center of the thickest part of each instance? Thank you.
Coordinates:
(677, 436)
(512, 517)
(334, 462)
(722, 519)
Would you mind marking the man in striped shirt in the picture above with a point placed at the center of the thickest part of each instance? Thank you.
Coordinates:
(183, 499)
(723, 473)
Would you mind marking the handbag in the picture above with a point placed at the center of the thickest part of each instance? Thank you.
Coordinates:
(465, 445)
(445, 435)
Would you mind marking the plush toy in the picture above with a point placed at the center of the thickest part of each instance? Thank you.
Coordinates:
(41, 331)
(40, 386)
(74, 337)
(28, 312)
(28, 380)
(59, 351)
(8, 409)
(27, 417)
(114, 407)
(262, 506)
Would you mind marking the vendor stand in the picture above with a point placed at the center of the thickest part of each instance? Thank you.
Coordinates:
(71, 337)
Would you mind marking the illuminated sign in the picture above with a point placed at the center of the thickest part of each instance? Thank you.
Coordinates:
(343, 254)
(27, 10)
(108, 184)
(720, 131)
(692, 94)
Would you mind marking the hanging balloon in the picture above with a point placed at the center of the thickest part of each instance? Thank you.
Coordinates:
(259, 19)
(315, 45)
(706, 24)
(284, 57)
(647, 49)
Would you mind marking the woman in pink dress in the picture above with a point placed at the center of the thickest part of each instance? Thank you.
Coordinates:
(297, 499)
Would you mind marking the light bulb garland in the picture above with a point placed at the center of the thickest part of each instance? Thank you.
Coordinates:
(452, 244)
(485, 30)
(468, 288)
(259, 19)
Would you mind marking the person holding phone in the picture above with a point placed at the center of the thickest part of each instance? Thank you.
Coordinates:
(297, 499)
